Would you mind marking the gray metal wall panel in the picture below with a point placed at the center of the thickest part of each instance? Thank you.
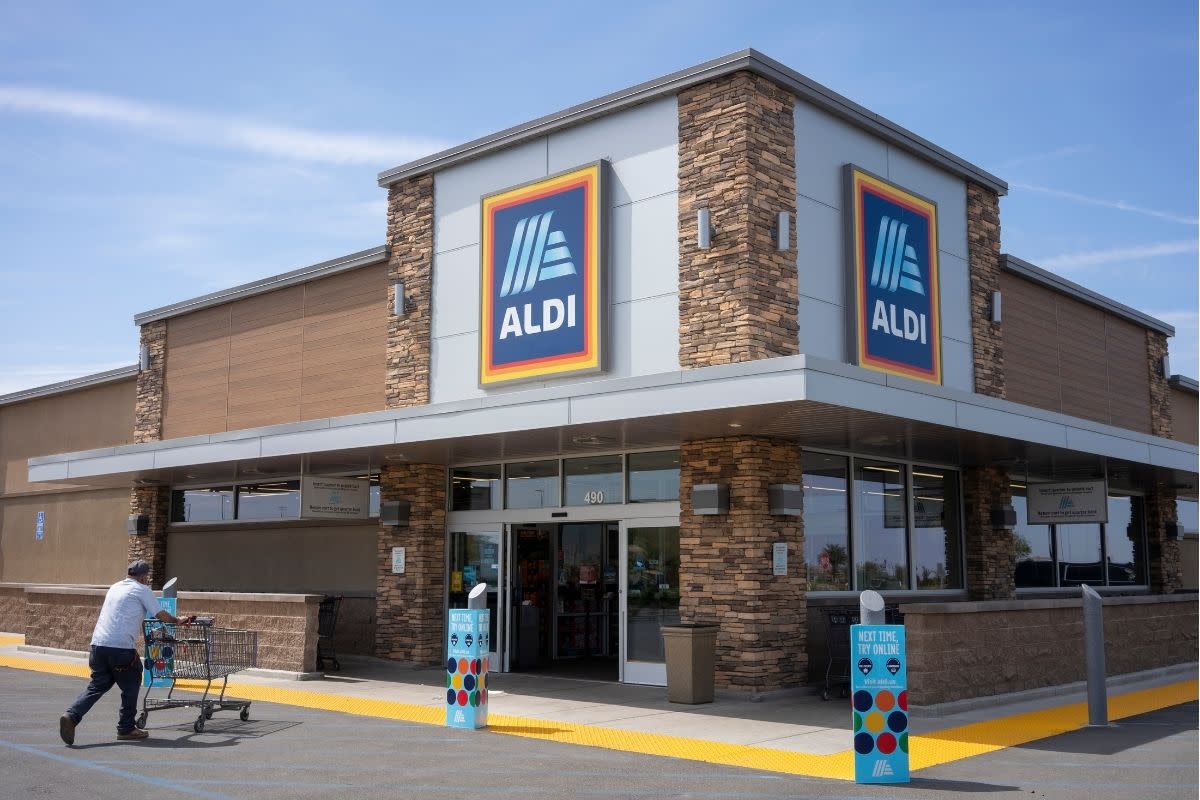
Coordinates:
(823, 145)
(819, 248)
(455, 292)
(645, 262)
(948, 191)
(642, 144)
(456, 190)
(822, 329)
(958, 365)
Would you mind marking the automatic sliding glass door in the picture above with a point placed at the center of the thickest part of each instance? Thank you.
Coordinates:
(476, 556)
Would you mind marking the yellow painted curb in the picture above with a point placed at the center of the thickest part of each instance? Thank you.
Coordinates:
(926, 751)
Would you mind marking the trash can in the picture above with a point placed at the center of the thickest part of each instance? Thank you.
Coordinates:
(691, 655)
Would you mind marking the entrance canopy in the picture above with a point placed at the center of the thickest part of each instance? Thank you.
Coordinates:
(823, 404)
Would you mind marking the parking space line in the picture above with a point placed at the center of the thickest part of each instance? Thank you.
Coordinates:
(926, 750)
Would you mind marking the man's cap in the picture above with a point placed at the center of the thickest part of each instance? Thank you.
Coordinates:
(138, 567)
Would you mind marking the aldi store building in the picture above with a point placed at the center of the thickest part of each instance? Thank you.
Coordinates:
(723, 347)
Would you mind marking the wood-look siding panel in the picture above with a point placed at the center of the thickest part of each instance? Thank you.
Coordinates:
(1031, 359)
(1129, 375)
(1185, 410)
(196, 380)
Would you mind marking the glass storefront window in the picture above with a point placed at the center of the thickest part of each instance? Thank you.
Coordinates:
(373, 507)
(1188, 514)
(881, 517)
(935, 518)
(653, 581)
(654, 477)
(1124, 542)
(475, 488)
(1079, 554)
(531, 484)
(1032, 543)
(593, 481)
(826, 522)
(202, 505)
(274, 500)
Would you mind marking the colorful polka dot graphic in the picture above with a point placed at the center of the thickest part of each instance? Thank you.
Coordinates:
(878, 722)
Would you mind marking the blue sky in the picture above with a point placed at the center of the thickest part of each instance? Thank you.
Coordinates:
(153, 152)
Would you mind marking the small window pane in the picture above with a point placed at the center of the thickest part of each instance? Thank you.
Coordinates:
(881, 511)
(654, 477)
(275, 500)
(373, 509)
(532, 484)
(1124, 542)
(1079, 554)
(202, 505)
(475, 488)
(592, 481)
(826, 522)
(1188, 514)
(1035, 559)
(936, 535)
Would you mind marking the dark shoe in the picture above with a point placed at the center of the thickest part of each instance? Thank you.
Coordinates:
(134, 735)
(66, 729)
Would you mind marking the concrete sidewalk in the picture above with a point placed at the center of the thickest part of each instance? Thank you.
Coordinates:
(793, 732)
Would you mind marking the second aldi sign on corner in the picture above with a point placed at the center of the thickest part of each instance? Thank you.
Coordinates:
(892, 248)
(543, 281)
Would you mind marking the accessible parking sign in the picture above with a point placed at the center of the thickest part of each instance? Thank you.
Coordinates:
(879, 687)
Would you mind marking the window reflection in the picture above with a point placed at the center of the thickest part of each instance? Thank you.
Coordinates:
(1032, 545)
(826, 522)
(654, 477)
(1124, 541)
(935, 517)
(593, 481)
(475, 488)
(532, 484)
(274, 500)
(202, 505)
(1079, 554)
(881, 514)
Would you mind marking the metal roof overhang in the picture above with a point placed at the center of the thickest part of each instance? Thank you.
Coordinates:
(820, 403)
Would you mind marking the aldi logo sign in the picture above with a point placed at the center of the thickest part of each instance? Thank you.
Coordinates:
(542, 278)
(892, 246)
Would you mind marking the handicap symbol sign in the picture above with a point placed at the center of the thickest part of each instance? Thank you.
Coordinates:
(893, 665)
(864, 665)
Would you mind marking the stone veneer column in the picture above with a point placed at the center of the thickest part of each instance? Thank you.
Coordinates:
(725, 566)
(152, 501)
(983, 251)
(410, 242)
(409, 607)
(1162, 550)
(737, 158)
(1161, 423)
(990, 554)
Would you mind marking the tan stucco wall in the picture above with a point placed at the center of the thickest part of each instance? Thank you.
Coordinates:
(295, 558)
(84, 543)
(1184, 409)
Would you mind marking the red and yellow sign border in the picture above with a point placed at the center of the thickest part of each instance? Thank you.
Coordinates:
(859, 181)
(592, 178)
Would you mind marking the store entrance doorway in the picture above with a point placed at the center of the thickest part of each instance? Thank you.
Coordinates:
(564, 602)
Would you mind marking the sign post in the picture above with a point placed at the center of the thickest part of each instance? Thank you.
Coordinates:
(879, 686)
(467, 666)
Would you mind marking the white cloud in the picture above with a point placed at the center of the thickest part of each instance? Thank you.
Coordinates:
(1114, 204)
(229, 132)
(1092, 258)
(1050, 155)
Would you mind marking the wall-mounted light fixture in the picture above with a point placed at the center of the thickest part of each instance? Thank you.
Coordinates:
(710, 498)
(1003, 517)
(394, 513)
(138, 524)
(704, 229)
(1165, 366)
(785, 499)
(994, 309)
(144, 358)
(398, 300)
(782, 231)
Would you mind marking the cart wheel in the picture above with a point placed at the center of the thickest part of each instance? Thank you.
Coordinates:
(337, 665)
(824, 694)
(208, 712)
(141, 721)
(198, 725)
(245, 715)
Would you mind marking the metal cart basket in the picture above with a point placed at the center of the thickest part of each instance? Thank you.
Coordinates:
(196, 651)
(838, 620)
(327, 615)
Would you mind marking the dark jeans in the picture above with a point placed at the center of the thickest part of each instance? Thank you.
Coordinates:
(111, 665)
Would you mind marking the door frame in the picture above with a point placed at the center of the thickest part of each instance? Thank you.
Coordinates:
(497, 655)
(643, 672)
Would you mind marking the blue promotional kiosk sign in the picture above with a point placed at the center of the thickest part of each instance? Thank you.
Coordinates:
(879, 686)
(158, 660)
(467, 647)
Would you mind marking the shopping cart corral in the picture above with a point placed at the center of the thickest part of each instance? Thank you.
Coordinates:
(196, 651)
(838, 620)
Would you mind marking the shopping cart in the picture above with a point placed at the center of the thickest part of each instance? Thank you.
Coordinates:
(837, 636)
(327, 614)
(196, 651)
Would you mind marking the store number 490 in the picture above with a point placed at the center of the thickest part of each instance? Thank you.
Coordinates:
(593, 497)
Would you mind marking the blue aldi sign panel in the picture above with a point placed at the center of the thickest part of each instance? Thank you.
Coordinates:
(543, 280)
(893, 251)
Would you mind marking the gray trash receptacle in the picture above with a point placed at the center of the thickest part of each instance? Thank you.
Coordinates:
(691, 656)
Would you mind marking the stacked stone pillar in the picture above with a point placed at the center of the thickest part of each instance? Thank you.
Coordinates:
(725, 562)
(410, 262)
(408, 606)
(151, 501)
(990, 553)
(983, 257)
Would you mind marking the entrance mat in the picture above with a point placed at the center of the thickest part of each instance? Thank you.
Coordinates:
(942, 747)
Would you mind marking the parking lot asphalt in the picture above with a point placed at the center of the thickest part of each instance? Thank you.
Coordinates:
(285, 751)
